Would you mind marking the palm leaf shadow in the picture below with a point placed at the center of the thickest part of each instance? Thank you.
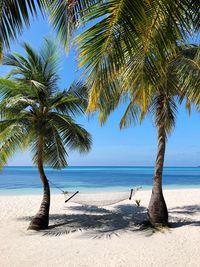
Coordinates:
(104, 223)
(99, 222)
(183, 215)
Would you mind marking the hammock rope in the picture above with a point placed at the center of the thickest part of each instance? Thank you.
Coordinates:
(58, 187)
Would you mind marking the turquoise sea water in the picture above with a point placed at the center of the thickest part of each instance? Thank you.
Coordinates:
(25, 180)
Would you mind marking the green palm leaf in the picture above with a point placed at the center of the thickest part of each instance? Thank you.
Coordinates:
(35, 113)
(14, 15)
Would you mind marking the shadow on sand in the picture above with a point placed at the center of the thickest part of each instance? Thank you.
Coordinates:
(184, 216)
(96, 222)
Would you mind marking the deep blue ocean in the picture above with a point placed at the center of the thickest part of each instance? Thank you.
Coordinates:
(25, 180)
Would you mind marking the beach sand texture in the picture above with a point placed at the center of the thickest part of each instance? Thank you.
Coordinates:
(104, 237)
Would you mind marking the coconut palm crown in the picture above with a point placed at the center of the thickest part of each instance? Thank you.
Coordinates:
(35, 114)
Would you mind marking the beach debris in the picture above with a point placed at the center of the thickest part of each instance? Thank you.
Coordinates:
(137, 201)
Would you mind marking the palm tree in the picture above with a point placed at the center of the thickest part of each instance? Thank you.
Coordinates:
(156, 95)
(183, 79)
(155, 91)
(164, 109)
(35, 114)
(127, 53)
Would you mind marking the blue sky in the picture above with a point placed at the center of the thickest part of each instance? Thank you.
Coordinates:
(111, 146)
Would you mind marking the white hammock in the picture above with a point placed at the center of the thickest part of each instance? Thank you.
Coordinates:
(99, 199)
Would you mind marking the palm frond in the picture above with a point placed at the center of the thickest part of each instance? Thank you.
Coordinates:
(64, 16)
(72, 101)
(127, 34)
(74, 136)
(11, 139)
(14, 15)
(8, 87)
(187, 68)
(54, 151)
(130, 115)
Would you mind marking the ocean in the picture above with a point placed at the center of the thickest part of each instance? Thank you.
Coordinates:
(25, 180)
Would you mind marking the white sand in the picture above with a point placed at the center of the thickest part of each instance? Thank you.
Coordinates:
(109, 237)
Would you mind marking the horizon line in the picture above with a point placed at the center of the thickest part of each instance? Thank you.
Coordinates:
(147, 166)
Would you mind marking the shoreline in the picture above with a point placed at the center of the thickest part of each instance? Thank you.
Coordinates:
(54, 191)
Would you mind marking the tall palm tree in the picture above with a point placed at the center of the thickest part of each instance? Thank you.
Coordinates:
(183, 79)
(156, 94)
(127, 53)
(157, 91)
(35, 114)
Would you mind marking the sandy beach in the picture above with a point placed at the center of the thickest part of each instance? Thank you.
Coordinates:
(111, 236)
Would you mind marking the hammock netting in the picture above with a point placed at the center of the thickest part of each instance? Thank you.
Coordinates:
(99, 199)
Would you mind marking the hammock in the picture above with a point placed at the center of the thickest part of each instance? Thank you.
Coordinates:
(99, 199)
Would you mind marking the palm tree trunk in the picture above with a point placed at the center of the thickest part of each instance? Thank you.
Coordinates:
(157, 210)
(41, 220)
